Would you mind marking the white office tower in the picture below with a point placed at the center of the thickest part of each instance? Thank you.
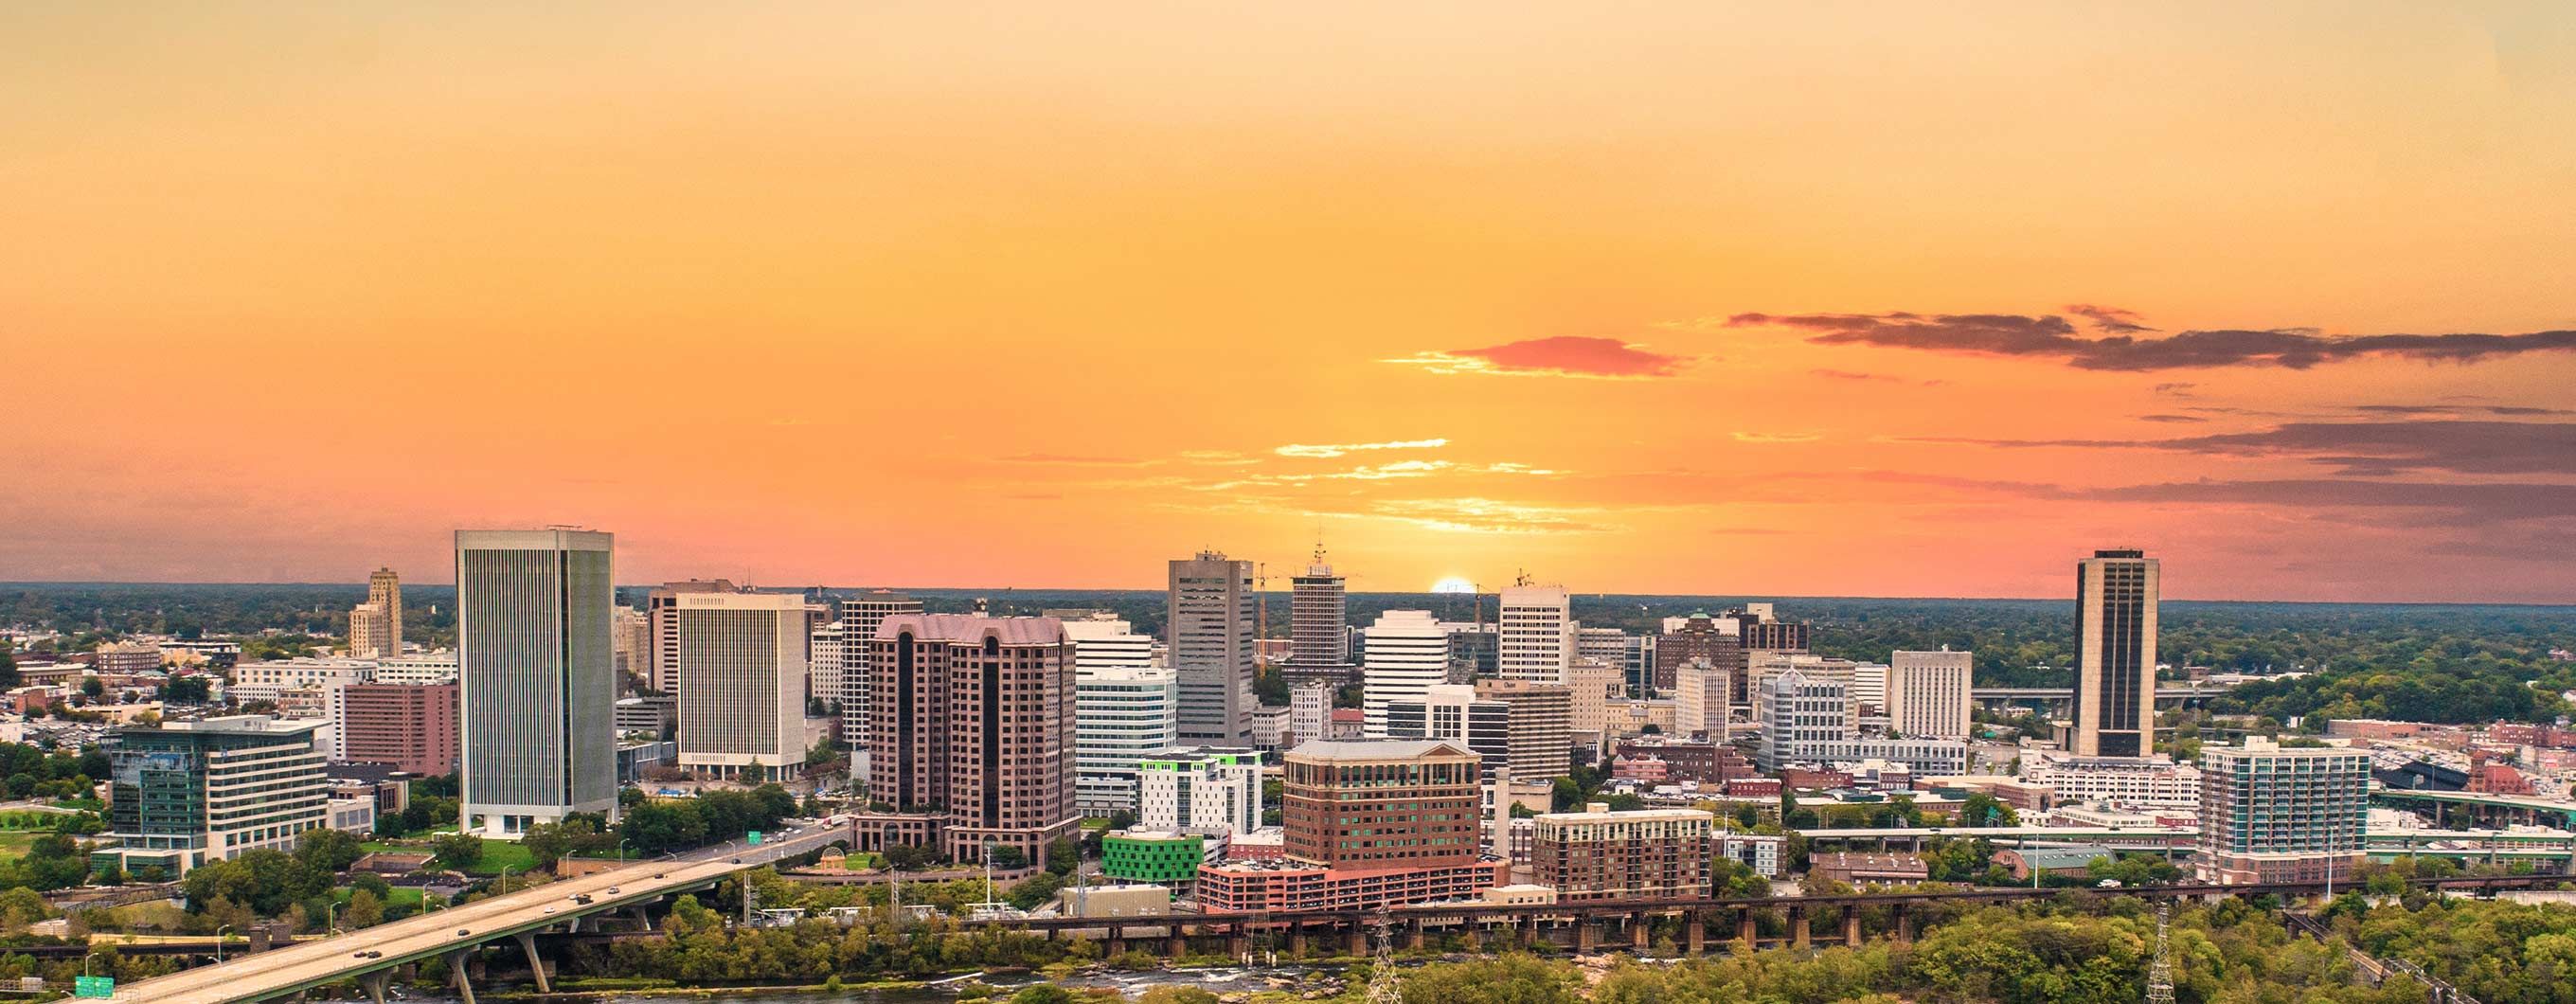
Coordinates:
(1760, 667)
(1869, 688)
(1209, 621)
(1595, 683)
(1802, 715)
(662, 624)
(1125, 711)
(1318, 624)
(1928, 693)
(827, 665)
(1310, 712)
(742, 684)
(537, 689)
(1702, 693)
(1406, 653)
(1536, 641)
(1606, 644)
(1211, 791)
(854, 623)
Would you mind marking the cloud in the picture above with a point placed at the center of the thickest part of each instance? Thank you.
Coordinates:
(2174, 389)
(2505, 410)
(1217, 458)
(2483, 502)
(1344, 449)
(1777, 437)
(1563, 355)
(2171, 418)
(2367, 448)
(2048, 336)
(1482, 515)
(1849, 375)
(2111, 319)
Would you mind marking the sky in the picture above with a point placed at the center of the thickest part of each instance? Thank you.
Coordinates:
(1812, 299)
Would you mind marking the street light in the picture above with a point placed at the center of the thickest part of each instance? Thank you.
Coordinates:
(219, 943)
(331, 917)
(621, 850)
(505, 879)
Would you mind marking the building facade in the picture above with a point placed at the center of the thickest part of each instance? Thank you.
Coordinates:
(2270, 813)
(1598, 854)
(1209, 632)
(1541, 726)
(1703, 697)
(662, 622)
(2115, 671)
(976, 727)
(1318, 622)
(741, 669)
(1535, 638)
(1928, 693)
(536, 688)
(1213, 792)
(411, 728)
(187, 793)
(1368, 824)
(1405, 654)
(1126, 711)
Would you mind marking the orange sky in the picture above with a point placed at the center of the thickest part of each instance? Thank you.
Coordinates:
(1035, 295)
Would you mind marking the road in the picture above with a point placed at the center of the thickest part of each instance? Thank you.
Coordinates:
(313, 963)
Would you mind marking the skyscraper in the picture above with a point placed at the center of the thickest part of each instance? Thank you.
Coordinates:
(535, 682)
(1403, 654)
(1536, 641)
(1542, 727)
(384, 589)
(2115, 654)
(1126, 711)
(2269, 814)
(1318, 625)
(742, 684)
(977, 722)
(1209, 625)
(854, 624)
(662, 614)
(1702, 693)
(1928, 693)
(371, 632)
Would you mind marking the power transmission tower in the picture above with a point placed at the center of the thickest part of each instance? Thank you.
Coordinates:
(1384, 987)
(2160, 972)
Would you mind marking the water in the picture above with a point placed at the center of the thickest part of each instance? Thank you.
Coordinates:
(1217, 980)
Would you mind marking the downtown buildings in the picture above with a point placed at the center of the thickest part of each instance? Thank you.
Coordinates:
(1126, 711)
(1600, 855)
(1209, 632)
(535, 677)
(1928, 693)
(740, 663)
(408, 727)
(975, 741)
(1404, 654)
(2270, 813)
(1208, 792)
(2115, 675)
(376, 626)
(1535, 640)
(1367, 824)
(187, 793)
(1319, 640)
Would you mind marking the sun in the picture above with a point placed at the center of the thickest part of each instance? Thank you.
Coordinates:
(1453, 584)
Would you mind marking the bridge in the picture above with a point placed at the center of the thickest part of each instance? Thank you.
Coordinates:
(2178, 696)
(371, 955)
(2480, 806)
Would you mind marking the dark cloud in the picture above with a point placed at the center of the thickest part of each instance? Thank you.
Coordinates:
(2171, 418)
(2049, 336)
(2459, 409)
(2483, 502)
(1563, 355)
(2111, 319)
(2369, 448)
(2175, 389)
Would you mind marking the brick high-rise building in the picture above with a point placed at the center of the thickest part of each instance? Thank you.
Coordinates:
(2115, 654)
(1598, 854)
(976, 721)
(409, 727)
(1727, 641)
(1382, 804)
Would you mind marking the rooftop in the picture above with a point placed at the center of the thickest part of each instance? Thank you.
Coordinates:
(1375, 749)
(972, 628)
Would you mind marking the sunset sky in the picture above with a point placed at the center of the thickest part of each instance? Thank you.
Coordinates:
(1792, 299)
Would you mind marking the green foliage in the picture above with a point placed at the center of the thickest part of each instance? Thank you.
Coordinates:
(1509, 979)
(456, 850)
(264, 881)
(658, 825)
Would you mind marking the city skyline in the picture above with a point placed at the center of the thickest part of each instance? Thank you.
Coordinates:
(1601, 298)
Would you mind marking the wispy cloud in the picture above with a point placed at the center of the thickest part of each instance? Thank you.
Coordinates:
(1777, 437)
(1563, 355)
(2366, 448)
(1068, 460)
(2050, 336)
(1345, 449)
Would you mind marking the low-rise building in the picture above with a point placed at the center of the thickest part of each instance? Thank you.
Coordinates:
(1598, 854)
(186, 793)
(1858, 868)
(1157, 857)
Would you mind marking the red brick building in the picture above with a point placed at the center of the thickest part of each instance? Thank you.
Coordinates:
(409, 727)
(974, 721)
(1367, 824)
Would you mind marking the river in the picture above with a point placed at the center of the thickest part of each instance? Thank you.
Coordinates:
(1214, 980)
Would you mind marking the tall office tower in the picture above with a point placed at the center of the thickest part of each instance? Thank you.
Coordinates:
(662, 612)
(2269, 814)
(1215, 792)
(384, 589)
(186, 793)
(1869, 689)
(1638, 670)
(1456, 713)
(1760, 667)
(1702, 694)
(1801, 713)
(1317, 621)
(856, 619)
(1474, 650)
(371, 633)
(1595, 684)
(1406, 652)
(630, 637)
(1209, 630)
(1310, 712)
(828, 653)
(2115, 654)
(863, 612)
(1542, 727)
(1696, 638)
(535, 683)
(1928, 693)
(976, 717)
(1536, 641)
(742, 684)
(1126, 711)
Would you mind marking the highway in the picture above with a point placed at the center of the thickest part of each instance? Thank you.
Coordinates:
(283, 971)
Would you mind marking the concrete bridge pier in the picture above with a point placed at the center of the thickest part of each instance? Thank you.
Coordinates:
(1904, 925)
(374, 984)
(1694, 932)
(1641, 932)
(1237, 944)
(1413, 938)
(1359, 938)
(1745, 929)
(1851, 926)
(1529, 930)
(1798, 934)
(1117, 939)
(1178, 945)
(456, 966)
(1297, 938)
(1587, 936)
(536, 963)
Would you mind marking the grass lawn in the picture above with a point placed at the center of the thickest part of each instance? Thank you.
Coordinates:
(499, 854)
(15, 844)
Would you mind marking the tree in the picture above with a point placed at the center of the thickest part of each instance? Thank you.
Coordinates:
(20, 907)
(185, 690)
(457, 850)
(1510, 979)
(1984, 810)
(1007, 856)
(330, 850)
(1175, 994)
(365, 909)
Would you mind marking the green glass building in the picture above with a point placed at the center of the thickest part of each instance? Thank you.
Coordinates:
(1157, 857)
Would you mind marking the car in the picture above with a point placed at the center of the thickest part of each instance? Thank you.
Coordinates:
(612, 890)
(737, 860)
(550, 909)
(461, 932)
(582, 898)
(657, 875)
(373, 954)
(357, 955)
